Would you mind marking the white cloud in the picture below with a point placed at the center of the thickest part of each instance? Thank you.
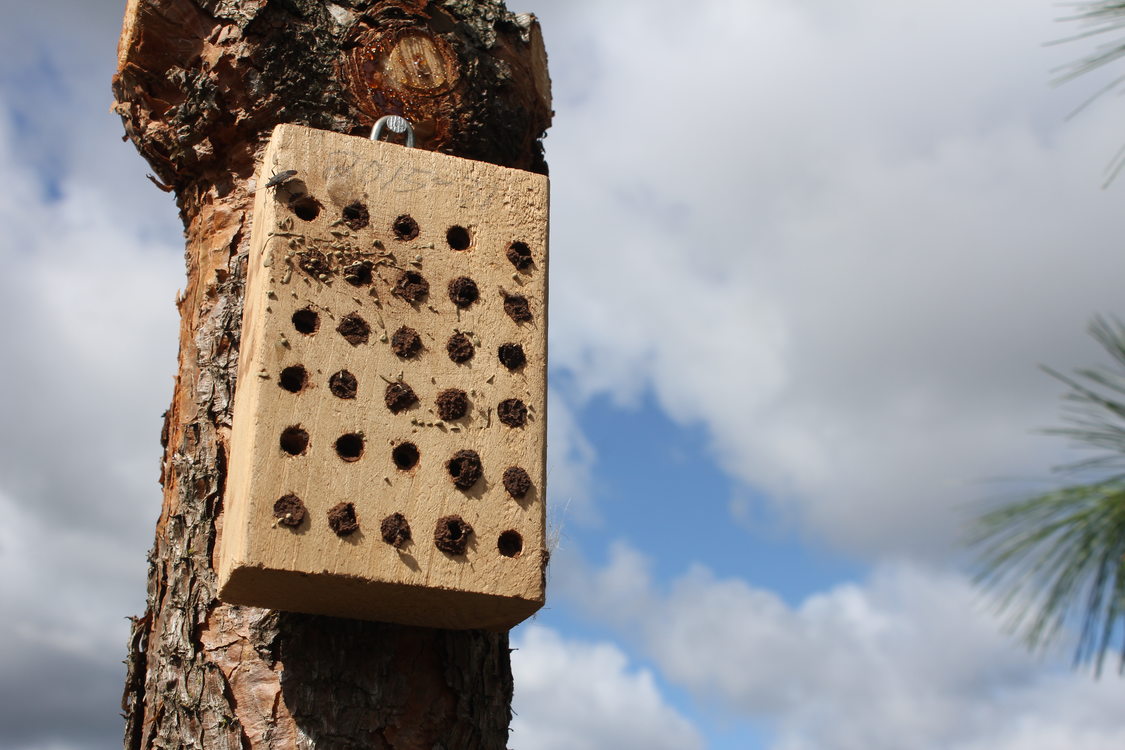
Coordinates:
(573, 695)
(910, 658)
(842, 238)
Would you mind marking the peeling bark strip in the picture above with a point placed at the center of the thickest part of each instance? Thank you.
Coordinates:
(200, 84)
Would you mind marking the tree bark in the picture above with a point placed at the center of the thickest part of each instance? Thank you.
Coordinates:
(200, 85)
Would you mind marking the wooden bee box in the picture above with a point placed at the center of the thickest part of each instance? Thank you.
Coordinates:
(387, 460)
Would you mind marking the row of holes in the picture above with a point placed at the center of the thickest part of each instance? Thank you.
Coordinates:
(464, 467)
(356, 216)
(451, 533)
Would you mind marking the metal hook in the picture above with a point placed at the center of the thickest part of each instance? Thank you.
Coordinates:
(395, 124)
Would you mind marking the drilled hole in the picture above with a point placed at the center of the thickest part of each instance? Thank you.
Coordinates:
(289, 511)
(395, 530)
(465, 469)
(451, 534)
(399, 396)
(315, 264)
(343, 384)
(354, 329)
(406, 343)
(294, 440)
(516, 482)
(510, 544)
(349, 447)
(306, 207)
(517, 307)
(405, 228)
(293, 379)
(412, 287)
(520, 255)
(405, 456)
(355, 215)
(512, 412)
(452, 404)
(306, 321)
(342, 519)
(458, 238)
(358, 273)
(460, 348)
(463, 291)
(512, 356)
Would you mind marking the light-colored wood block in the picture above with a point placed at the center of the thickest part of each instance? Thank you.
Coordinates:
(323, 424)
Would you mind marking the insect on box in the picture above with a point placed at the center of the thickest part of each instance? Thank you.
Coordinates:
(388, 446)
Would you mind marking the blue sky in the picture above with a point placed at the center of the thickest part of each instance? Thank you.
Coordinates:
(806, 260)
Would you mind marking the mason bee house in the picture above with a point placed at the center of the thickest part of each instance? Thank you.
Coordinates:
(387, 458)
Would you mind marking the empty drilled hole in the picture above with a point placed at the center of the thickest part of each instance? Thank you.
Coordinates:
(510, 543)
(306, 207)
(405, 228)
(463, 291)
(460, 348)
(405, 456)
(343, 384)
(512, 412)
(406, 343)
(293, 379)
(512, 356)
(349, 447)
(306, 321)
(520, 255)
(451, 534)
(464, 469)
(399, 397)
(458, 237)
(355, 215)
(289, 511)
(294, 440)
(395, 530)
(412, 287)
(358, 273)
(342, 519)
(354, 329)
(516, 482)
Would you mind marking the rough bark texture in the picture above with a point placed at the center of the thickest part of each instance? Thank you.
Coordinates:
(200, 84)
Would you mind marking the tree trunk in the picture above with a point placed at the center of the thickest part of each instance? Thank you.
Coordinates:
(200, 85)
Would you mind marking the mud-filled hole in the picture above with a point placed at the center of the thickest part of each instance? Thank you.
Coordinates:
(465, 469)
(399, 397)
(412, 287)
(463, 292)
(306, 321)
(358, 273)
(460, 348)
(343, 384)
(517, 307)
(405, 456)
(452, 404)
(520, 255)
(517, 482)
(355, 215)
(293, 378)
(294, 440)
(406, 343)
(405, 228)
(350, 447)
(289, 511)
(306, 207)
(512, 356)
(510, 543)
(451, 534)
(395, 530)
(512, 412)
(458, 237)
(342, 519)
(354, 329)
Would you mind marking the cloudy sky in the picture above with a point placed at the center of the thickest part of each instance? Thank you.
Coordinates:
(806, 259)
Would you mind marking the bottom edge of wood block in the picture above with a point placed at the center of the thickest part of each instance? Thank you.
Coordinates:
(362, 599)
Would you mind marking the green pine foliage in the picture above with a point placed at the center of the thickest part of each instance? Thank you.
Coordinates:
(1057, 560)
